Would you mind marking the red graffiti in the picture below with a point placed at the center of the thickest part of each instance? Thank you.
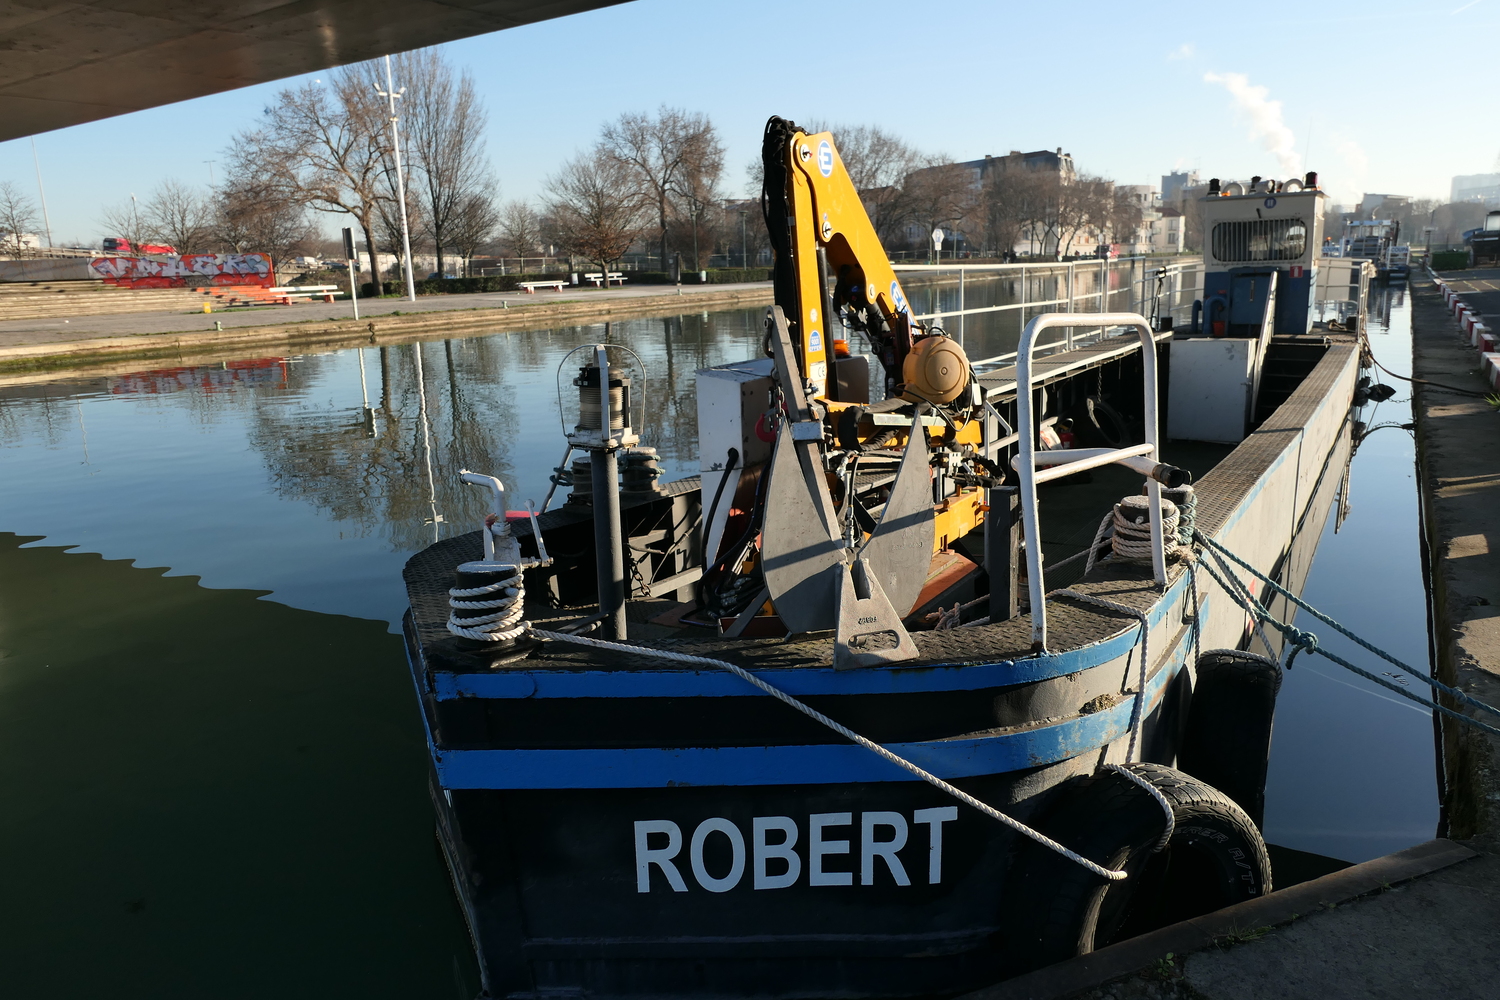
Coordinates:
(190, 270)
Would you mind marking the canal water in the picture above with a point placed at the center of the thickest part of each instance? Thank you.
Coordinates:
(213, 771)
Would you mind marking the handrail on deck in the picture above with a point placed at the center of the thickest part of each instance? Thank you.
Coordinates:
(1132, 456)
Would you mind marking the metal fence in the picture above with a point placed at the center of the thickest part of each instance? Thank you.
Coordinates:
(986, 306)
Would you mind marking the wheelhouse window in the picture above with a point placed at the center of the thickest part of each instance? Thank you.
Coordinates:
(1259, 239)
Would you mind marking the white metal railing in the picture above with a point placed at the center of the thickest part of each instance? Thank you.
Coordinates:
(1142, 457)
(1180, 280)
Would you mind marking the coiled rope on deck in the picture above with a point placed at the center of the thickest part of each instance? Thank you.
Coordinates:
(500, 617)
(1303, 640)
(1132, 523)
(847, 733)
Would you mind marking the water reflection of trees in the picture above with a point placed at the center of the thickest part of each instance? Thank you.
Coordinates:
(490, 406)
(374, 473)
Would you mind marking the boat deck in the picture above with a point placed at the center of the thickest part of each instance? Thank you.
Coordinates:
(1071, 625)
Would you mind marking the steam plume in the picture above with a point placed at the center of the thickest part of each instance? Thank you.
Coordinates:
(1265, 118)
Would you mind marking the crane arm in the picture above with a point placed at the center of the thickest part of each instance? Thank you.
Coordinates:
(828, 256)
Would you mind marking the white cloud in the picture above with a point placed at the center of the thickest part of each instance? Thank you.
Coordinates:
(1184, 51)
(1266, 123)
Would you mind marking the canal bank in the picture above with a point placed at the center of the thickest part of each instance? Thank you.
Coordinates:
(53, 344)
(1419, 922)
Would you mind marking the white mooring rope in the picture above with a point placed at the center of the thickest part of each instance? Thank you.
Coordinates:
(849, 734)
(1155, 793)
(1137, 712)
(500, 625)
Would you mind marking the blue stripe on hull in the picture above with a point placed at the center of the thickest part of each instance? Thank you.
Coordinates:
(818, 764)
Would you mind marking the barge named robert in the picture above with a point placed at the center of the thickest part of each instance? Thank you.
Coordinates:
(816, 723)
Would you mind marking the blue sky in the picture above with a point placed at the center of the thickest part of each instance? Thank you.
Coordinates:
(1375, 91)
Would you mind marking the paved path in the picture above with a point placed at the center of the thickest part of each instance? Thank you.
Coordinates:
(21, 332)
(1479, 287)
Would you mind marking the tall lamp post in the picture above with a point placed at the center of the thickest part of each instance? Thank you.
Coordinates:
(390, 93)
(46, 219)
(693, 210)
(744, 243)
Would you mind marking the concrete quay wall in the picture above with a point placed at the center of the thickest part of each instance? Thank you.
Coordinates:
(31, 352)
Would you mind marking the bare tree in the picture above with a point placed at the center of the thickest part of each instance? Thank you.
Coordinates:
(474, 226)
(124, 221)
(942, 195)
(1125, 218)
(520, 229)
(324, 147)
(18, 219)
(258, 217)
(179, 216)
(596, 208)
(1015, 201)
(1083, 209)
(698, 220)
(673, 155)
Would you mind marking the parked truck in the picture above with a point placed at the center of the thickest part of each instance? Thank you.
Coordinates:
(1484, 244)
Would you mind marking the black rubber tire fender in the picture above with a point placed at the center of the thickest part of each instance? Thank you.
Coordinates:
(1103, 423)
(1227, 742)
(1055, 909)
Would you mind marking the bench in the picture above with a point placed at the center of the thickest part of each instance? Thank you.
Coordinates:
(299, 292)
(532, 286)
(597, 278)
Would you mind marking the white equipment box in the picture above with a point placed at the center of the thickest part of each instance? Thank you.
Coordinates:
(1212, 389)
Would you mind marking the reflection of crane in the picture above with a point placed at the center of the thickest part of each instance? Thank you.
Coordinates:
(435, 518)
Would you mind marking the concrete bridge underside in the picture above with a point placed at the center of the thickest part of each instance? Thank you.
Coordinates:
(63, 62)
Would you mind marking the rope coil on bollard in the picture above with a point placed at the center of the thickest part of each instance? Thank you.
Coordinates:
(849, 734)
(500, 625)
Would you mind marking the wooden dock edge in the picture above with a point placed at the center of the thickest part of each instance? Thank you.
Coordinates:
(1280, 907)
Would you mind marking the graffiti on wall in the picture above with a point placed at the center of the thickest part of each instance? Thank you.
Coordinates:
(188, 271)
(202, 378)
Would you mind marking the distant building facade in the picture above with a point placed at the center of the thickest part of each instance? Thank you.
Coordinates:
(980, 171)
(1173, 184)
(1382, 205)
(1482, 188)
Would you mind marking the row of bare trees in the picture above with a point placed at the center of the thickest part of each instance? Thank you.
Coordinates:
(650, 179)
(325, 146)
(243, 215)
(653, 182)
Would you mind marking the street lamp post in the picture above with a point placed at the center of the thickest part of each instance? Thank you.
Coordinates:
(46, 219)
(744, 244)
(693, 214)
(390, 93)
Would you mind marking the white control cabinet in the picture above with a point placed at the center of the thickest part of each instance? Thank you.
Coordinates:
(1212, 389)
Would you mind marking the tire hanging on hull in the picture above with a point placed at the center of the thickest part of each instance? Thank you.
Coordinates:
(1228, 738)
(1055, 910)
